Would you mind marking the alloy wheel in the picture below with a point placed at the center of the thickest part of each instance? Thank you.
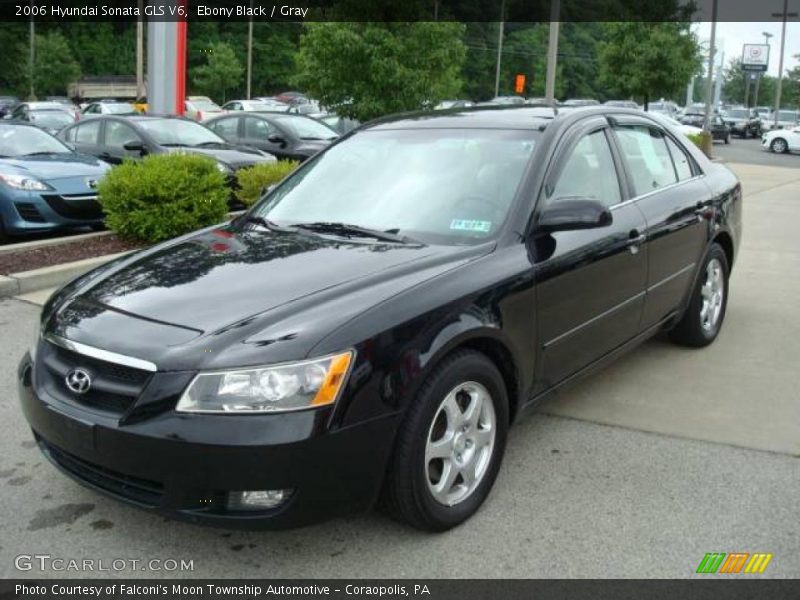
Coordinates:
(712, 292)
(779, 146)
(460, 443)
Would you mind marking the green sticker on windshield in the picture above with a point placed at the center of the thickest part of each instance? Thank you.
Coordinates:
(469, 225)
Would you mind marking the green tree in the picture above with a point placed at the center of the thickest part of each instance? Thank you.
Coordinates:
(793, 89)
(221, 72)
(648, 60)
(53, 70)
(365, 70)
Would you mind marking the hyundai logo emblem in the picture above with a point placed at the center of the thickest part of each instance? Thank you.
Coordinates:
(92, 183)
(78, 381)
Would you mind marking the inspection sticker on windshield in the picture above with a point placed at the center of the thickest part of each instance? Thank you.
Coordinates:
(468, 225)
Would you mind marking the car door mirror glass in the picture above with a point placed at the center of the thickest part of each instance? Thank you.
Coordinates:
(276, 138)
(570, 213)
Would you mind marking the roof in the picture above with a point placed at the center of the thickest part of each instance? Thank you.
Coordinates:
(481, 117)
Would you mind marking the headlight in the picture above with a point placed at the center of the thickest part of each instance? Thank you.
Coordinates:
(291, 386)
(223, 168)
(21, 182)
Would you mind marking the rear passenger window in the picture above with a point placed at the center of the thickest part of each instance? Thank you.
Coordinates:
(87, 134)
(227, 128)
(683, 165)
(648, 159)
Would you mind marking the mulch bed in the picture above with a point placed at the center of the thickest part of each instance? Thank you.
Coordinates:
(25, 260)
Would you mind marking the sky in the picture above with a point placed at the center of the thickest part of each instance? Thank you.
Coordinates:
(734, 35)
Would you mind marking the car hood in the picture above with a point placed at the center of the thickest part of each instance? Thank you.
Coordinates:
(222, 286)
(55, 166)
(233, 156)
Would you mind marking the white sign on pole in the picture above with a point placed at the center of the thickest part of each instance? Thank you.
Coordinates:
(755, 57)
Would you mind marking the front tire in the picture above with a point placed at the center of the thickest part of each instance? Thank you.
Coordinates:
(450, 444)
(702, 321)
(727, 138)
(779, 146)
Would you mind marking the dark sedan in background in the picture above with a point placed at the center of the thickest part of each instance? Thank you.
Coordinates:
(284, 136)
(114, 139)
(377, 322)
(44, 184)
(743, 122)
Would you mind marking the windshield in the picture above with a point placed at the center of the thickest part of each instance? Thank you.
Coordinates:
(436, 185)
(176, 132)
(265, 106)
(54, 119)
(119, 108)
(308, 129)
(21, 140)
(740, 114)
(205, 105)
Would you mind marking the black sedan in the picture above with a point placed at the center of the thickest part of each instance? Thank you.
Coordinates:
(377, 322)
(114, 139)
(743, 122)
(285, 136)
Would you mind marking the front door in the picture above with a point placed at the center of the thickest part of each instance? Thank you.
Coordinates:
(589, 283)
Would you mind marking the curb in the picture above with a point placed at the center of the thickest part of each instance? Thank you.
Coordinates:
(47, 277)
(22, 246)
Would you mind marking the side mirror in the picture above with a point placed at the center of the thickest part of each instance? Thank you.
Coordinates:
(134, 146)
(276, 138)
(571, 213)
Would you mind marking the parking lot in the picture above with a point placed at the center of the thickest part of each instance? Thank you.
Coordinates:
(636, 472)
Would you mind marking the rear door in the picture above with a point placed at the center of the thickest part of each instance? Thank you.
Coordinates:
(86, 137)
(668, 188)
(227, 128)
(590, 283)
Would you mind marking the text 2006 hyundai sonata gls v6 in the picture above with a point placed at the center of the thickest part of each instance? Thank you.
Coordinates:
(373, 326)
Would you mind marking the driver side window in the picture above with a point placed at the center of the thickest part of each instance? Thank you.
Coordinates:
(588, 172)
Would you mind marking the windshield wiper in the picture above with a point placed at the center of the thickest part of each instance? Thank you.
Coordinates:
(211, 145)
(175, 145)
(347, 230)
(43, 153)
(271, 225)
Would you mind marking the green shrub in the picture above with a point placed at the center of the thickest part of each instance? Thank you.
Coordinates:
(697, 138)
(254, 179)
(163, 196)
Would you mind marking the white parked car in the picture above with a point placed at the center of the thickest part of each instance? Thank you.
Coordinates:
(787, 119)
(782, 140)
(252, 106)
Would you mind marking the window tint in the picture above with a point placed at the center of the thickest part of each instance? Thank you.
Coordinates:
(257, 128)
(226, 127)
(87, 134)
(119, 134)
(647, 156)
(683, 165)
(589, 172)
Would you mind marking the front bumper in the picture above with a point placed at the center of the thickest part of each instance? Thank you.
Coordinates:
(25, 212)
(184, 466)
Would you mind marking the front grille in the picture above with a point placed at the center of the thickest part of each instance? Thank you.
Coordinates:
(75, 206)
(29, 212)
(114, 387)
(142, 491)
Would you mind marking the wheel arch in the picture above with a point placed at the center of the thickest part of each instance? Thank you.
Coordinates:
(724, 239)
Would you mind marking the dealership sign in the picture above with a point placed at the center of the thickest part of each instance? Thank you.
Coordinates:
(755, 57)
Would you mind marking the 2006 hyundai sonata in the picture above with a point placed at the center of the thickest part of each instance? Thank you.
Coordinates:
(376, 323)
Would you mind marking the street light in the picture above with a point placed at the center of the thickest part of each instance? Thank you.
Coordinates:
(784, 15)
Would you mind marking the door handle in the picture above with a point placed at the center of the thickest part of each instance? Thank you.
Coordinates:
(635, 240)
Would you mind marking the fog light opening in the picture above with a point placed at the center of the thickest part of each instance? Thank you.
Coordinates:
(257, 499)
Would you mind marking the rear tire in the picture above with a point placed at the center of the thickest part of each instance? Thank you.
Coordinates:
(702, 321)
(779, 145)
(728, 138)
(450, 444)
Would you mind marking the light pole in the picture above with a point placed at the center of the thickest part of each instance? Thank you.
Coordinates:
(760, 75)
(500, 32)
(784, 16)
(250, 52)
(32, 57)
(552, 53)
(710, 82)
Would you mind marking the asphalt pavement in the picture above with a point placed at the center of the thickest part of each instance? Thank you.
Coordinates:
(637, 472)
